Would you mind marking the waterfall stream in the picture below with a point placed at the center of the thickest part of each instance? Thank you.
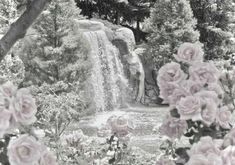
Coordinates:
(107, 76)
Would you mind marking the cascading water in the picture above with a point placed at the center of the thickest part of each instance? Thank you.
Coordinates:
(107, 77)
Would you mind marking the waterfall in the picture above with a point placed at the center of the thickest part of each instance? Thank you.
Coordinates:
(107, 75)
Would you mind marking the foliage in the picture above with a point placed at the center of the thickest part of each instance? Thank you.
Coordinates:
(59, 106)
(12, 69)
(170, 24)
(215, 23)
(54, 49)
(8, 14)
(124, 12)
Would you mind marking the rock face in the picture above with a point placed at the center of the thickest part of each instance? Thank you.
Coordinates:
(125, 41)
(127, 36)
(87, 25)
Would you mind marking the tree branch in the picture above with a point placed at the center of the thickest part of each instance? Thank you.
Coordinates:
(19, 28)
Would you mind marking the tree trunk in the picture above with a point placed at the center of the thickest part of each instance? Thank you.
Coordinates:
(117, 21)
(137, 29)
(19, 28)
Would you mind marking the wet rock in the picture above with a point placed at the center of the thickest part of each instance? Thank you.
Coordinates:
(88, 25)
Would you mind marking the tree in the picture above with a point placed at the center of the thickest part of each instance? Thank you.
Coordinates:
(170, 24)
(136, 11)
(18, 29)
(129, 13)
(55, 50)
(214, 20)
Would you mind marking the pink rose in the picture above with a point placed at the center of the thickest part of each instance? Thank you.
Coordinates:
(189, 108)
(170, 73)
(173, 127)
(166, 91)
(47, 159)
(217, 89)
(24, 150)
(4, 121)
(24, 107)
(204, 73)
(209, 111)
(229, 139)
(8, 89)
(189, 53)
(205, 146)
(200, 159)
(120, 125)
(224, 117)
(178, 93)
(193, 86)
(228, 155)
(205, 94)
(165, 161)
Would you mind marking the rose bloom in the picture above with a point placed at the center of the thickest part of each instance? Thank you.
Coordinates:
(200, 159)
(166, 91)
(4, 121)
(229, 139)
(24, 150)
(205, 146)
(189, 108)
(170, 73)
(120, 125)
(24, 107)
(228, 155)
(173, 127)
(179, 92)
(189, 53)
(204, 73)
(217, 89)
(224, 117)
(8, 89)
(165, 161)
(48, 158)
(193, 86)
(205, 94)
(209, 111)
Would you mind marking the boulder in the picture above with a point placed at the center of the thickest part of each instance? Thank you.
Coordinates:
(88, 25)
(126, 35)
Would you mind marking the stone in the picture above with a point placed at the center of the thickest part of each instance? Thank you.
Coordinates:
(88, 25)
(126, 35)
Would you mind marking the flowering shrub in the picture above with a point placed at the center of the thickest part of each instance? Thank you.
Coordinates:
(60, 106)
(201, 103)
(19, 141)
